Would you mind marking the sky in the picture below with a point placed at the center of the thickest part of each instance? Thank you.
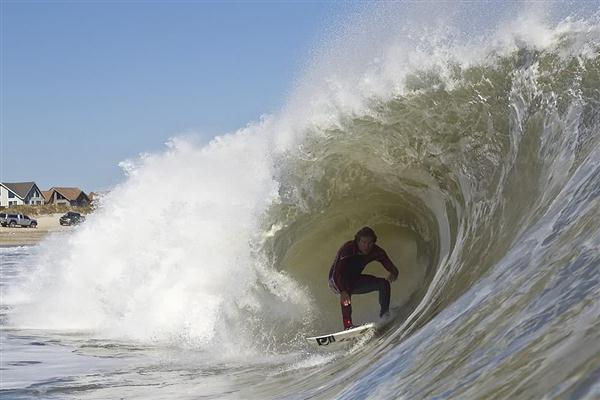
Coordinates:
(85, 85)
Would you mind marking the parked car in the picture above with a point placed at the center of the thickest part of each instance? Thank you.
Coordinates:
(71, 218)
(13, 220)
(2, 218)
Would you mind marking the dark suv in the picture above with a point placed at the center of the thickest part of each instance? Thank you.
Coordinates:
(71, 218)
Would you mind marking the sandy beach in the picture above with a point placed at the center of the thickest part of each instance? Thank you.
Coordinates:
(29, 236)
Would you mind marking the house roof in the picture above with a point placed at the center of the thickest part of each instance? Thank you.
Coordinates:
(21, 189)
(47, 194)
(70, 193)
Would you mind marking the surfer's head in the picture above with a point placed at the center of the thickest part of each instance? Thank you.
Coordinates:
(365, 238)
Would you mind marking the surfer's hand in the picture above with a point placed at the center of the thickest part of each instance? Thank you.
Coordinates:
(345, 298)
(392, 276)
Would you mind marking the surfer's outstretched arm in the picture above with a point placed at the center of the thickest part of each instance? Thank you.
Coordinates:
(383, 258)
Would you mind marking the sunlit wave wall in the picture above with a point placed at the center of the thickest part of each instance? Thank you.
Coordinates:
(449, 130)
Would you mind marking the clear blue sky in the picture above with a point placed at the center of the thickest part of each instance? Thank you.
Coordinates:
(88, 84)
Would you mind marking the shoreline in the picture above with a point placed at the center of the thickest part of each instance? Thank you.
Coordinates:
(47, 224)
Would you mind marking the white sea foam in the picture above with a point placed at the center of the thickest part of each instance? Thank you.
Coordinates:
(169, 255)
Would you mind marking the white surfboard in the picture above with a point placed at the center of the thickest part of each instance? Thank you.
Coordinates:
(342, 336)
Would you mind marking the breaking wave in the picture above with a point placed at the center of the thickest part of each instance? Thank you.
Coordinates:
(474, 157)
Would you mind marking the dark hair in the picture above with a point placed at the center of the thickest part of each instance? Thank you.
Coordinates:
(365, 232)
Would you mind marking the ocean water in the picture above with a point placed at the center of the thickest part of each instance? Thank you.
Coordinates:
(468, 140)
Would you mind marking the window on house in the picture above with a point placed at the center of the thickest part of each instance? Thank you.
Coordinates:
(11, 195)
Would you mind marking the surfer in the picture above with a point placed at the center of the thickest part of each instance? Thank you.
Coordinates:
(346, 277)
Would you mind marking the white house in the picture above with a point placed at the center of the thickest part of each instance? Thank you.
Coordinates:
(14, 194)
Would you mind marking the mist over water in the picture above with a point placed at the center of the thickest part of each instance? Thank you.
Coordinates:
(467, 139)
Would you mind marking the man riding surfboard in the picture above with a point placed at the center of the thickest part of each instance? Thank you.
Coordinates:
(346, 277)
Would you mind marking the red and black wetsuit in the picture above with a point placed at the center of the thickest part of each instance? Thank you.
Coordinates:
(346, 275)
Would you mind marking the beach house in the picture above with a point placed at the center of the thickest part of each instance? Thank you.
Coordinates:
(67, 195)
(14, 194)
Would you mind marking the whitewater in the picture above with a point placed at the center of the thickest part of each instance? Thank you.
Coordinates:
(466, 135)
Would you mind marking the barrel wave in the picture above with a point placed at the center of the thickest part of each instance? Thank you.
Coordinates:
(477, 162)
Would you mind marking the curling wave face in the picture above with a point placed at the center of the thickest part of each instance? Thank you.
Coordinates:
(476, 173)
(452, 173)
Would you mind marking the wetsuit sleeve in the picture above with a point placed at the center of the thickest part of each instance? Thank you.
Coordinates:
(338, 275)
(341, 263)
(383, 258)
